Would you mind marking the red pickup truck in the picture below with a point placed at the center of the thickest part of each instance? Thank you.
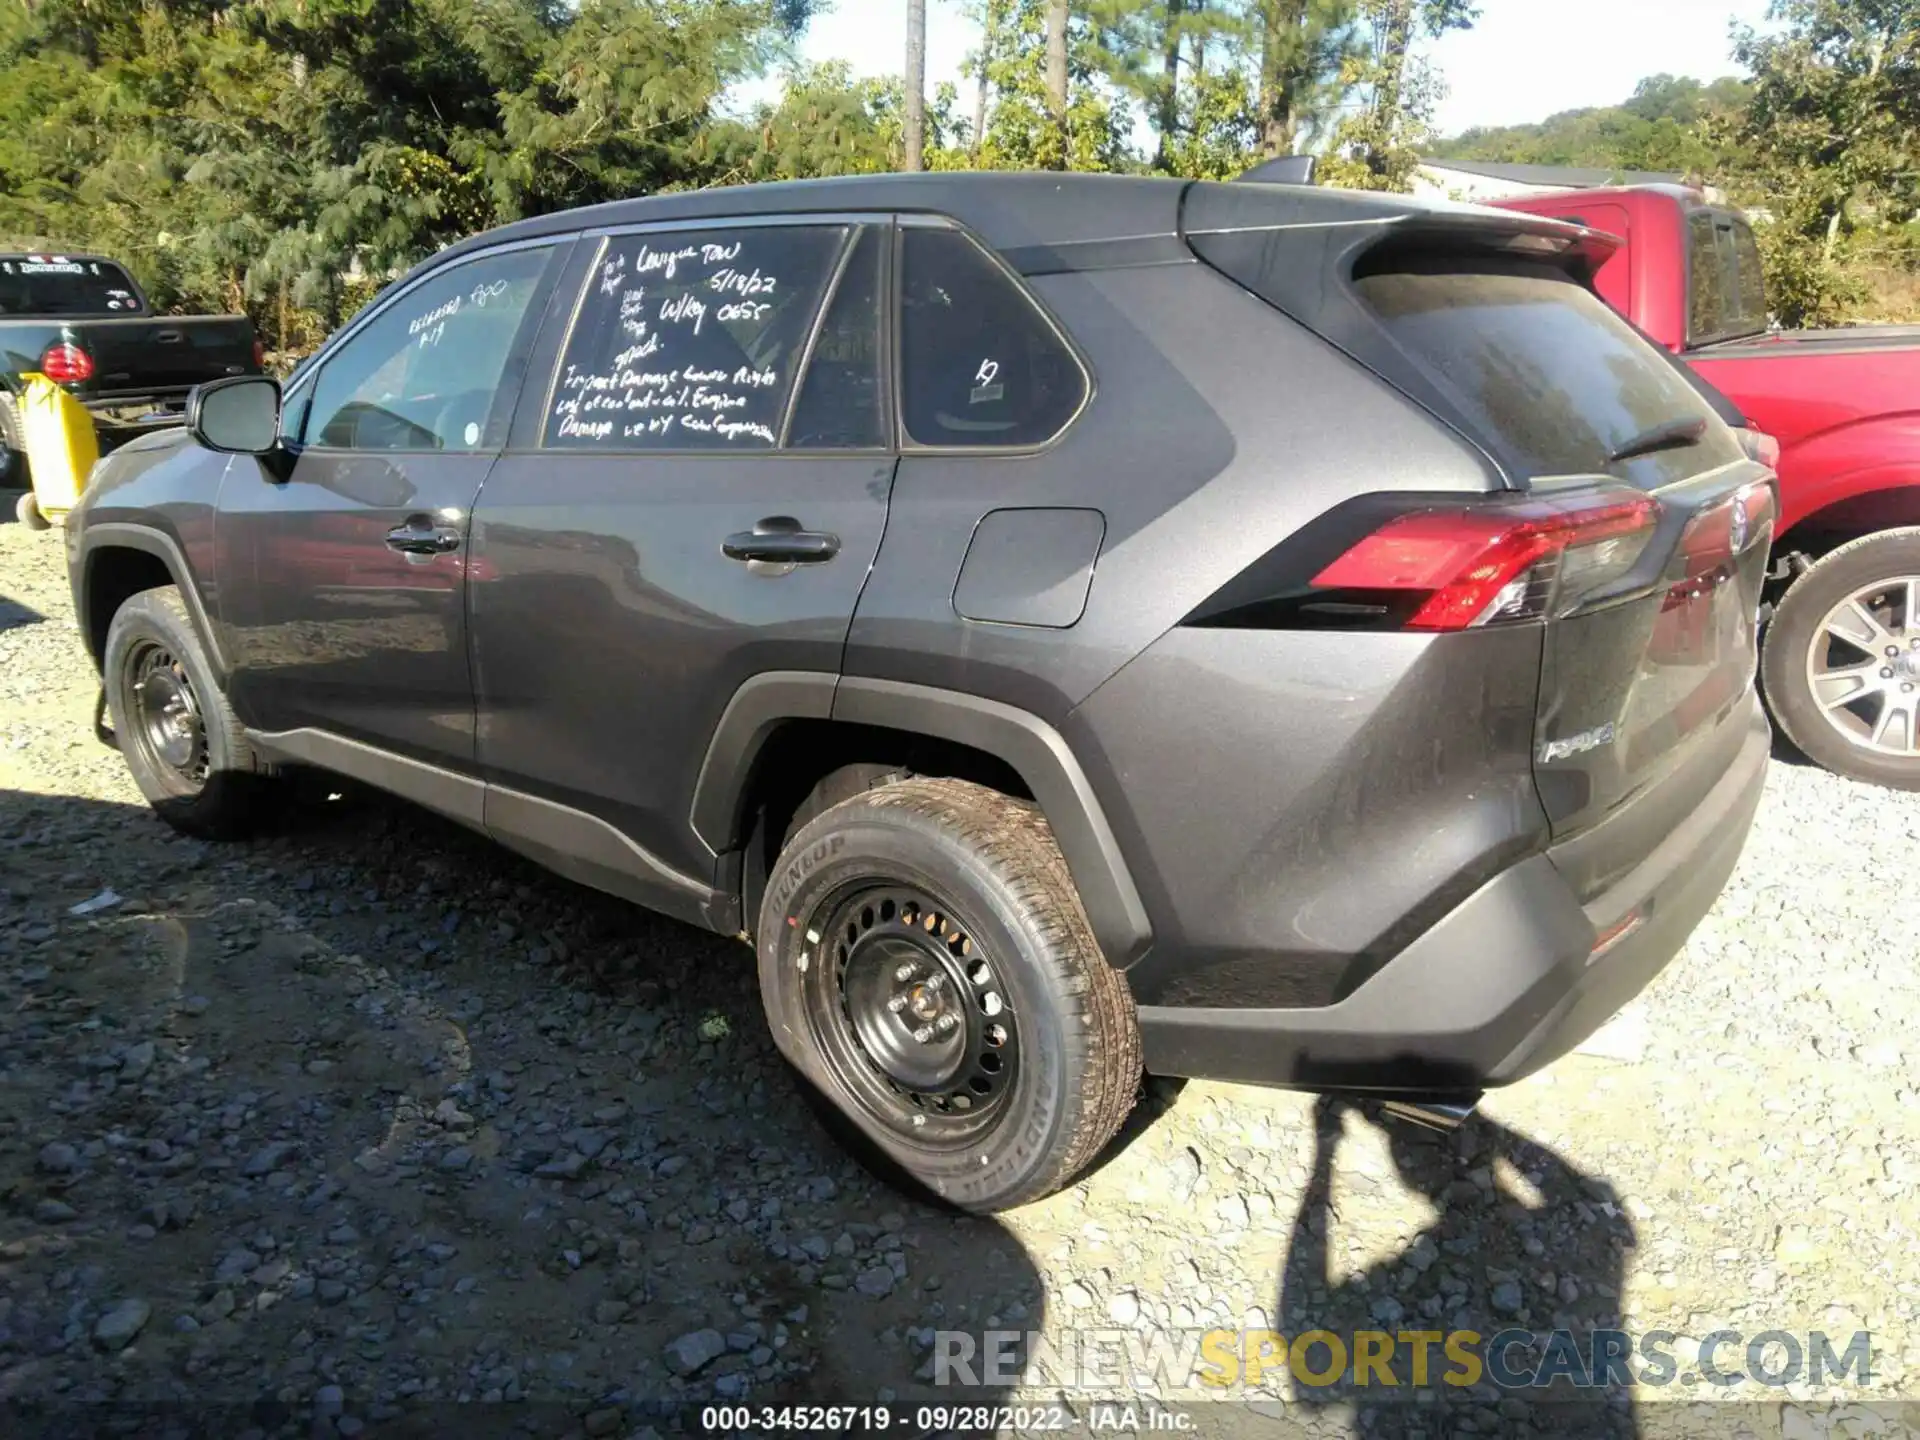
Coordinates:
(1840, 655)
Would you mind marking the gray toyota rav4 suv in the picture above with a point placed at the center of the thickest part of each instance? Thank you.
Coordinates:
(1072, 625)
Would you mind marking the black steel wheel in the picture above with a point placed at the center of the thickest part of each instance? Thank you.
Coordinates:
(912, 1014)
(167, 726)
(183, 744)
(928, 972)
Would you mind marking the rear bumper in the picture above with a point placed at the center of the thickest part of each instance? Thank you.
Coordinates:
(170, 398)
(1504, 984)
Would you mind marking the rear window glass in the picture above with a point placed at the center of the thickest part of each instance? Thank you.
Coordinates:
(1541, 367)
(1726, 291)
(61, 285)
(689, 339)
(979, 363)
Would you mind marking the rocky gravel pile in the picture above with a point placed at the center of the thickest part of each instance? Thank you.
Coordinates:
(321, 1133)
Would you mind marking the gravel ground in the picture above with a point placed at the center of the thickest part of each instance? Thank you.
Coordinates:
(368, 1114)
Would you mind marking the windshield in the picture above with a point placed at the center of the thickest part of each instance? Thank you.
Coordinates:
(60, 285)
(1726, 293)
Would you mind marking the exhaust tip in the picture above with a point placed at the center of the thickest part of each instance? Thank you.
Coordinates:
(1433, 1114)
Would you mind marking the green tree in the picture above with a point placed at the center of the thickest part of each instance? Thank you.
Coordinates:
(828, 123)
(1024, 130)
(1668, 124)
(1832, 136)
(1307, 51)
(284, 153)
(1378, 143)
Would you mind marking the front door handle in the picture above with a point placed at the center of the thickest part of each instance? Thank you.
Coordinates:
(422, 539)
(780, 540)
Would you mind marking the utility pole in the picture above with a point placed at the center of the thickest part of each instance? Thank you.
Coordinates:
(916, 84)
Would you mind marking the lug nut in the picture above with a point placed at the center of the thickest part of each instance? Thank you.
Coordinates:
(947, 1022)
(923, 1034)
(897, 1004)
(1893, 649)
(935, 982)
(1887, 673)
(905, 972)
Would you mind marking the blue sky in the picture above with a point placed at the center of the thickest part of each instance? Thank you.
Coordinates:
(1524, 60)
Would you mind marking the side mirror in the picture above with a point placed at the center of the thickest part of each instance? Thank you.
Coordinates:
(236, 416)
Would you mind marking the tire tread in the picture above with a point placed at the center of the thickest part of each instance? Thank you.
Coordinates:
(1782, 651)
(1012, 838)
(228, 806)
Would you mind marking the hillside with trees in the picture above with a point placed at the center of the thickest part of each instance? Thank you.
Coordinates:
(1663, 125)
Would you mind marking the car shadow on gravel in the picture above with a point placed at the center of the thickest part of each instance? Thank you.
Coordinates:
(370, 1115)
(13, 613)
(1524, 1249)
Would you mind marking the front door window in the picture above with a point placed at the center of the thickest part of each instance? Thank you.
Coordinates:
(424, 375)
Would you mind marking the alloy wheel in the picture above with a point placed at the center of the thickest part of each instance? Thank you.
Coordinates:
(1863, 667)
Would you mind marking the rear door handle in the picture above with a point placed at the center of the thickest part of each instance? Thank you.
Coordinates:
(417, 539)
(779, 539)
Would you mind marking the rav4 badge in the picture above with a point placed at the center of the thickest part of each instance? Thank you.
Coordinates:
(1577, 744)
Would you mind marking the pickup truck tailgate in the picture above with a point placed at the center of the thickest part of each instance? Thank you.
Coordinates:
(155, 353)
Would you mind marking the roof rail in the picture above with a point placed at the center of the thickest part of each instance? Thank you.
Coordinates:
(1281, 170)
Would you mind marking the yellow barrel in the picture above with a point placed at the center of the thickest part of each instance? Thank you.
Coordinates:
(57, 433)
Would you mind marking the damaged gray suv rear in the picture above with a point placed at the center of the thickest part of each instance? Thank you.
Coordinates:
(1071, 625)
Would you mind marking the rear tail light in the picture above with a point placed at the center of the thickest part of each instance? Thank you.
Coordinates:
(65, 363)
(1760, 446)
(1715, 539)
(1468, 567)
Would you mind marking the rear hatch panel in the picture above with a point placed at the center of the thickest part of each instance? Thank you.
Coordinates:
(1644, 700)
(1489, 320)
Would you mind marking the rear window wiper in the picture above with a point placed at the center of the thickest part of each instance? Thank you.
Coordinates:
(1668, 436)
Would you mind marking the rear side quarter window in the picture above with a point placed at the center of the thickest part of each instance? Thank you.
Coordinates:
(980, 364)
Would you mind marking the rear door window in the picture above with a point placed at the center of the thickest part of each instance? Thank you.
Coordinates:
(1726, 290)
(980, 364)
(690, 339)
(62, 285)
(1540, 365)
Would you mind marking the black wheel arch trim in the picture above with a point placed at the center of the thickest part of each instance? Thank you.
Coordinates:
(123, 535)
(1030, 746)
(759, 707)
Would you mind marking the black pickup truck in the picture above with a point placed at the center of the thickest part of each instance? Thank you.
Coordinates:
(82, 321)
